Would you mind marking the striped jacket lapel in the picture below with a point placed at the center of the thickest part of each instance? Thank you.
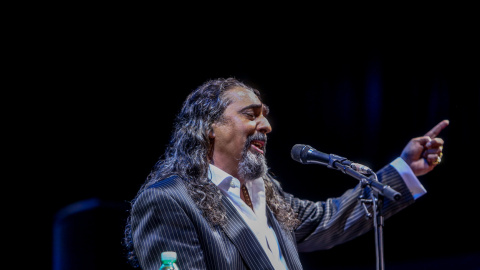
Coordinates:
(287, 243)
(244, 239)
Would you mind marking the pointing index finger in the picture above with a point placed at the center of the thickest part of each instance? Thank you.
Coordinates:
(436, 130)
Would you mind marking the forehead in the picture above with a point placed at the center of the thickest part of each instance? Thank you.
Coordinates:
(240, 96)
(242, 99)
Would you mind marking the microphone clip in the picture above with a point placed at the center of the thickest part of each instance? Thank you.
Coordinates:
(341, 162)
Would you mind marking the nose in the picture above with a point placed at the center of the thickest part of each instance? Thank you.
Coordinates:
(263, 125)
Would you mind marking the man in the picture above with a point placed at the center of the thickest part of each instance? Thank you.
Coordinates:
(212, 201)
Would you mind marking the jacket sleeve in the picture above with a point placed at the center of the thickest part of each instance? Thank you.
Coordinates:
(325, 224)
(160, 224)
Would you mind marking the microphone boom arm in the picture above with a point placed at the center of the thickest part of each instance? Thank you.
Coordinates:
(371, 181)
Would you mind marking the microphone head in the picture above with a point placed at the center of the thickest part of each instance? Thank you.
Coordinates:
(299, 152)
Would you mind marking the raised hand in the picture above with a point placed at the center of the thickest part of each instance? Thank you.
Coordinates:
(422, 154)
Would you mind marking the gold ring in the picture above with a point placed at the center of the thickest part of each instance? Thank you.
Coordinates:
(439, 159)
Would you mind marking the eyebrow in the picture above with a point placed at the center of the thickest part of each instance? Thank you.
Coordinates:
(266, 109)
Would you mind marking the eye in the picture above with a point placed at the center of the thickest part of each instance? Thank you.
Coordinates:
(249, 115)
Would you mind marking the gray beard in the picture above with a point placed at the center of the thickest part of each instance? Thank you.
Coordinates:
(252, 166)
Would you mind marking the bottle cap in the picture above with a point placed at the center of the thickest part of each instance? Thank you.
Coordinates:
(169, 256)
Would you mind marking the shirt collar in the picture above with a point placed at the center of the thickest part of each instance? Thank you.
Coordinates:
(217, 176)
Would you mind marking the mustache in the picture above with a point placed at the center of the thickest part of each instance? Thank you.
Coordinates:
(256, 137)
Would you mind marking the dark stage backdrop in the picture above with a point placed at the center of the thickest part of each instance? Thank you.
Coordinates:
(107, 104)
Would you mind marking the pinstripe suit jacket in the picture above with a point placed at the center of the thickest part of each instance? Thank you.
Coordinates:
(165, 218)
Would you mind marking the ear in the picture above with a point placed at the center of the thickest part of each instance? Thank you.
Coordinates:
(211, 133)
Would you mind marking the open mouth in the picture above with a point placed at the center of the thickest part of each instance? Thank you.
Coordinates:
(259, 146)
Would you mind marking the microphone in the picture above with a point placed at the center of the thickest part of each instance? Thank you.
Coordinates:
(306, 154)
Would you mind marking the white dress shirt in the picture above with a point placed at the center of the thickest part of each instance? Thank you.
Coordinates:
(257, 219)
(410, 179)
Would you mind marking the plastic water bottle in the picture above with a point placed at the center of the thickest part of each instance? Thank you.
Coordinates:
(168, 261)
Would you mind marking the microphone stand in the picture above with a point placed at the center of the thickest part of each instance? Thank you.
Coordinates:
(379, 191)
(377, 201)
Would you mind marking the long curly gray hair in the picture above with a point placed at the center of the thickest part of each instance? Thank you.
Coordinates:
(188, 152)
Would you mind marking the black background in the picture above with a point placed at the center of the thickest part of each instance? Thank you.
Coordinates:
(102, 98)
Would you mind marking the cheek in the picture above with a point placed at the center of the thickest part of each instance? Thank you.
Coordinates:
(245, 129)
(234, 137)
(234, 133)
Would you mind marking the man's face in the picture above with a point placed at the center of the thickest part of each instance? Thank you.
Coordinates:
(241, 132)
